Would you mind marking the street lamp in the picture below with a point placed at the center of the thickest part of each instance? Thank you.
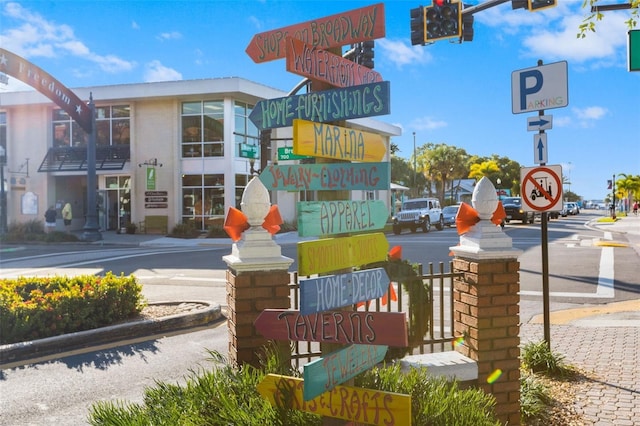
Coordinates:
(3, 194)
(499, 182)
(415, 170)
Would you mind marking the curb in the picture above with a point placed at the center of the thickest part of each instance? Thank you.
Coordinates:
(21, 353)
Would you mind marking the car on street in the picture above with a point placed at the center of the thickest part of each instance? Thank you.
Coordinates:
(513, 209)
(449, 215)
(570, 209)
(418, 213)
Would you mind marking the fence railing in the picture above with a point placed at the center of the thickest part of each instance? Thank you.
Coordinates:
(429, 315)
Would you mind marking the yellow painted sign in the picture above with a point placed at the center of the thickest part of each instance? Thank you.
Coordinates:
(332, 254)
(359, 405)
(340, 143)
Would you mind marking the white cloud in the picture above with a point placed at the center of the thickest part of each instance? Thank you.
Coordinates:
(427, 123)
(37, 37)
(155, 71)
(173, 35)
(399, 53)
(255, 22)
(134, 25)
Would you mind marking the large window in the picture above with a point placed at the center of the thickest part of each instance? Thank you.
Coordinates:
(203, 129)
(203, 200)
(245, 132)
(113, 125)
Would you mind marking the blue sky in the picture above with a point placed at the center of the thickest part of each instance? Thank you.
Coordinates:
(458, 94)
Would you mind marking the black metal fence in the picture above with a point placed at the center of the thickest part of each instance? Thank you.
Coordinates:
(429, 315)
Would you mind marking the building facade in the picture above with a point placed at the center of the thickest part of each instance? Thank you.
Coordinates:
(183, 150)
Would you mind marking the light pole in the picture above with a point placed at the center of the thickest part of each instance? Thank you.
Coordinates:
(415, 171)
(3, 194)
(499, 182)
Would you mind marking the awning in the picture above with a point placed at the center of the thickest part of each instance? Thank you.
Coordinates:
(64, 159)
(396, 187)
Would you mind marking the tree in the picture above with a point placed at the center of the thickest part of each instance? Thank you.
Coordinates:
(440, 163)
(508, 172)
(479, 170)
(627, 187)
(588, 24)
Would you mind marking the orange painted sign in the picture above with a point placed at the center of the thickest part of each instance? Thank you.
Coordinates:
(359, 405)
(366, 23)
(340, 143)
(320, 65)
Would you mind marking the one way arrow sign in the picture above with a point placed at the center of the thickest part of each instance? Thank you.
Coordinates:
(540, 148)
(539, 122)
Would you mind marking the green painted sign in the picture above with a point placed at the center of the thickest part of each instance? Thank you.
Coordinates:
(326, 176)
(325, 373)
(317, 218)
(634, 50)
(248, 151)
(286, 153)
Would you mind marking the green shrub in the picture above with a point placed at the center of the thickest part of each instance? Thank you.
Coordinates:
(33, 231)
(216, 231)
(229, 396)
(534, 397)
(34, 308)
(539, 358)
(184, 230)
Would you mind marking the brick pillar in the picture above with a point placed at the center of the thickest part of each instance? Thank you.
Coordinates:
(257, 277)
(486, 313)
(248, 293)
(486, 304)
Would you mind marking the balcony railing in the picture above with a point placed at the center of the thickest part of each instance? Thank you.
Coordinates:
(64, 159)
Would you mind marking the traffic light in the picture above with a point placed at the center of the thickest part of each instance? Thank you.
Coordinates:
(444, 20)
(365, 54)
(467, 27)
(535, 5)
(418, 26)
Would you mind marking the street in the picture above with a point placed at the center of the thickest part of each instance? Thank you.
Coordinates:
(60, 391)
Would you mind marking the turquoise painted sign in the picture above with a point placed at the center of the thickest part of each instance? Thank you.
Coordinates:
(327, 372)
(365, 100)
(327, 176)
(317, 218)
(336, 291)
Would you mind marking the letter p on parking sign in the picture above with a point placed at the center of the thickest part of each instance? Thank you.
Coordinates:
(540, 88)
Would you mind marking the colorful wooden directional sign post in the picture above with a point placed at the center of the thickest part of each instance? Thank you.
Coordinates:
(330, 292)
(354, 26)
(340, 143)
(332, 254)
(320, 65)
(358, 405)
(331, 370)
(326, 176)
(365, 100)
(346, 327)
(317, 218)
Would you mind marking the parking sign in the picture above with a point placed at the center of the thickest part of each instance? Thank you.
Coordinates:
(540, 88)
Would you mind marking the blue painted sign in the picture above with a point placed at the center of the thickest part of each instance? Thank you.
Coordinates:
(327, 372)
(336, 291)
(365, 100)
(317, 218)
(326, 176)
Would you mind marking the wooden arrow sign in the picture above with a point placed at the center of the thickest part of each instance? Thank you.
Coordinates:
(320, 65)
(325, 373)
(332, 254)
(326, 176)
(317, 218)
(365, 100)
(336, 291)
(354, 26)
(346, 327)
(374, 407)
(340, 143)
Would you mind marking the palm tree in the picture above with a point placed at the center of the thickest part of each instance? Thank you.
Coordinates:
(440, 163)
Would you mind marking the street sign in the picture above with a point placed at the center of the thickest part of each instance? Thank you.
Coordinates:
(540, 148)
(320, 65)
(326, 176)
(359, 405)
(541, 188)
(340, 143)
(365, 100)
(330, 292)
(354, 26)
(248, 151)
(325, 373)
(286, 153)
(540, 88)
(539, 122)
(346, 327)
(333, 254)
(332, 217)
(633, 48)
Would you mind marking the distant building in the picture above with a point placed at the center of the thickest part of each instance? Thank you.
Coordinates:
(178, 149)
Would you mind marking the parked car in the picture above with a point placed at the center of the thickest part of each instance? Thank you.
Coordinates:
(419, 213)
(513, 209)
(571, 209)
(449, 215)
